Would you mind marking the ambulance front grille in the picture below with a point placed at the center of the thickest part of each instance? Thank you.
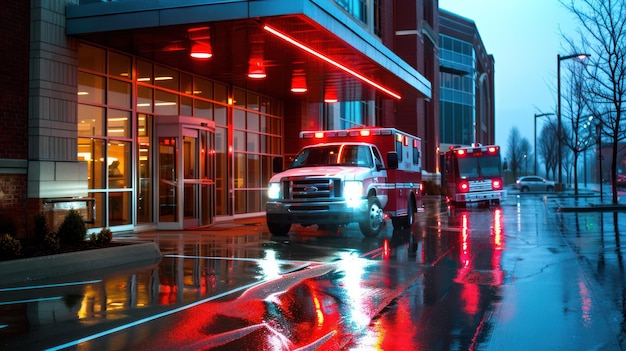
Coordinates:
(480, 185)
(312, 189)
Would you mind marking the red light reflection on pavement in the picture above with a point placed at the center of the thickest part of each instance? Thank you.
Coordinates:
(306, 312)
(586, 303)
(472, 272)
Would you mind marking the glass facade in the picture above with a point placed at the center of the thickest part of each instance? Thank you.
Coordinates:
(256, 140)
(120, 100)
(351, 114)
(457, 93)
(105, 134)
(357, 8)
(367, 12)
(354, 114)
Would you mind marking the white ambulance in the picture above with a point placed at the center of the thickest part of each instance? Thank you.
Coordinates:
(342, 177)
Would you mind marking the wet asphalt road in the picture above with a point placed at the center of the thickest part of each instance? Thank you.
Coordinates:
(517, 276)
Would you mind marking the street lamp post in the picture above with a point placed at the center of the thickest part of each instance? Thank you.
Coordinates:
(535, 140)
(526, 164)
(599, 133)
(559, 58)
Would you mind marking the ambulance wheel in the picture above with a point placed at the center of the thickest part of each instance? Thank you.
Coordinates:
(279, 229)
(408, 221)
(372, 223)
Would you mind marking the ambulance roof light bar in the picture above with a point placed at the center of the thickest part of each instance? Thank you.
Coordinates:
(461, 151)
(356, 132)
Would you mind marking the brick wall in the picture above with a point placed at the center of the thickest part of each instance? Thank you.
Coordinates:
(13, 203)
(14, 39)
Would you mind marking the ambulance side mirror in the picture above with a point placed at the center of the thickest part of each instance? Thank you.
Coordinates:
(277, 164)
(392, 160)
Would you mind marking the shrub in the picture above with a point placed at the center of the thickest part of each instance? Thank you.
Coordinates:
(41, 227)
(51, 242)
(9, 247)
(104, 236)
(7, 224)
(73, 230)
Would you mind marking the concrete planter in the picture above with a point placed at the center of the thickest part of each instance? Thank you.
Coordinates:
(35, 268)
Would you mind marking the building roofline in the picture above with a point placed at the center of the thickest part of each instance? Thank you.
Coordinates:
(129, 15)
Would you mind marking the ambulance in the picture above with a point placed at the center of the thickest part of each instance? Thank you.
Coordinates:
(472, 174)
(339, 177)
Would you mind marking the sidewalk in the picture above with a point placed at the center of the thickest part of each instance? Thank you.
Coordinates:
(588, 200)
(549, 302)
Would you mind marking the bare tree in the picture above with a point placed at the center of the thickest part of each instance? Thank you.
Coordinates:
(576, 134)
(547, 147)
(519, 152)
(603, 35)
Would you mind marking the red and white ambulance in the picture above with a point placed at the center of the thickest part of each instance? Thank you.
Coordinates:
(341, 177)
(472, 174)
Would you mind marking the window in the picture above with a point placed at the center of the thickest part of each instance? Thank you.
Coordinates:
(256, 140)
(357, 8)
(113, 128)
(416, 154)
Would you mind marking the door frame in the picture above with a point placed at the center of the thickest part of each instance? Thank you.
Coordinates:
(178, 127)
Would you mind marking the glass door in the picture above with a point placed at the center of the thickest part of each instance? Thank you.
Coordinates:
(198, 184)
(168, 180)
(186, 172)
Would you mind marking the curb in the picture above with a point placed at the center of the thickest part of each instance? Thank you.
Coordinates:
(593, 208)
(35, 268)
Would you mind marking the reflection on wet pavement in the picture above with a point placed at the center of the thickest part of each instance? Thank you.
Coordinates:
(450, 304)
(595, 238)
(449, 283)
(311, 289)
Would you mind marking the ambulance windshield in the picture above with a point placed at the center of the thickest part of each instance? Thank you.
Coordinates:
(334, 155)
(479, 167)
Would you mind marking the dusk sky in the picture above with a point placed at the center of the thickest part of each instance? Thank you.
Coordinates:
(524, 36)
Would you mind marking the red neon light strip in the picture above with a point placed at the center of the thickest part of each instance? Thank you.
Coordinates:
(332, 62)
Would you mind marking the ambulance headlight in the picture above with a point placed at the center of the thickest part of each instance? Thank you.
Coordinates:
(353, 191)
(273, 193)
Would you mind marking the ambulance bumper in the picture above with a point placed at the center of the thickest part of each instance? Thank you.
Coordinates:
(480, 196)
(309, 213)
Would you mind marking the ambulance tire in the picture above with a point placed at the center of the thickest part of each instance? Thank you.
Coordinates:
(279, 229)
(410, 209)
(372, 223)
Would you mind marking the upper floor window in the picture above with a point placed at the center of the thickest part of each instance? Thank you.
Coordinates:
(357, 8)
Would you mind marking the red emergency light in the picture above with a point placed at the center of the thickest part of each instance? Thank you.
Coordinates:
(356, 132)
(463, 186)
(496, 184)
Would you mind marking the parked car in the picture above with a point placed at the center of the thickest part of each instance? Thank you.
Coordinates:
(533, 183)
